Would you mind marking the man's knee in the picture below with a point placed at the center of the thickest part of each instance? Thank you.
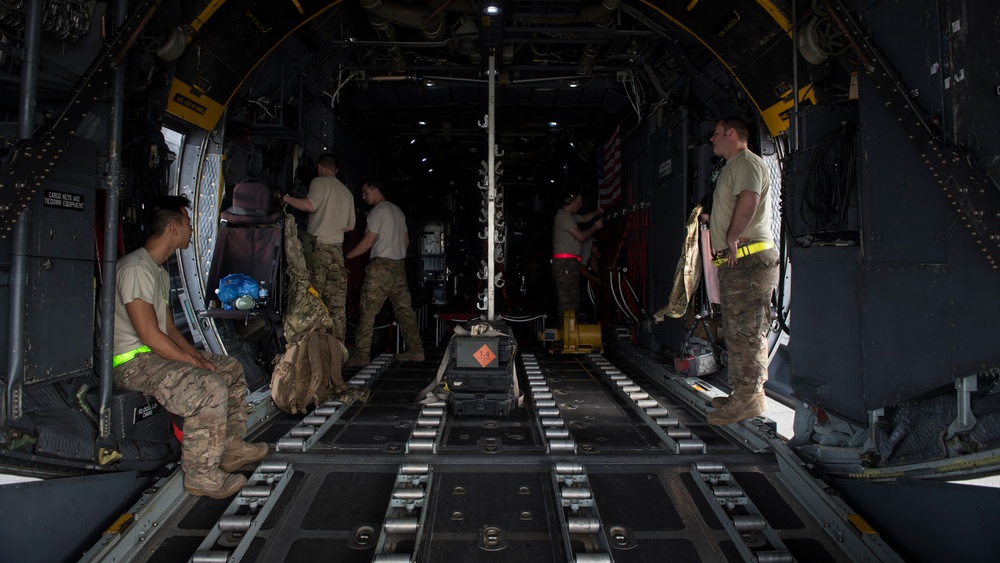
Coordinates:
(228, 367)
(197, 395)
(216, 393)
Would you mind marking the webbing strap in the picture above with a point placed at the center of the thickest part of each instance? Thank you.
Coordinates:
(747, 250)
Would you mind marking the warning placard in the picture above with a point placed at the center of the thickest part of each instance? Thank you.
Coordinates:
(484, 356)
(477, 352)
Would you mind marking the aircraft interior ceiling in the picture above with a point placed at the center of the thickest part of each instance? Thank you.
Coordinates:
(565, 78)
(585, 72)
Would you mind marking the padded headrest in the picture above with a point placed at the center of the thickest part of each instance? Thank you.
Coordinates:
(253, 204)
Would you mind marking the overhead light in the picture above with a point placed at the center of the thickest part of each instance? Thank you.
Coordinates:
(429, 82)
(429, 170)
(573, 83)
(413, 141)
(421, 123)
(424, 159)
(492, 9)
(571, 145)
(553, 124)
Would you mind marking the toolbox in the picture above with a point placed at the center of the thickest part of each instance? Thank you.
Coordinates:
(480, 372)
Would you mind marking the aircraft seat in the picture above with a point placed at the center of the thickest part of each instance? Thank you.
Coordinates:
(250, 241)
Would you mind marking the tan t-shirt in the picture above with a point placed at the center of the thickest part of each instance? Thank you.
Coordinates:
(562, 241)
(388, 221)
(744, 171)
(333, 209)
(138, 277)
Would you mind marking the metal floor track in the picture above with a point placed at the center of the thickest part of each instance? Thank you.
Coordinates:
(598, 464)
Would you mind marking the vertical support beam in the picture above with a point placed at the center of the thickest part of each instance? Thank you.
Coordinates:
(109, 254)
(793, 120)
(29, 67)
(15, 320)
(491, 194)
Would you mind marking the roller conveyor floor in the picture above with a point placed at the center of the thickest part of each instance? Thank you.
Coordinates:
(600, 462)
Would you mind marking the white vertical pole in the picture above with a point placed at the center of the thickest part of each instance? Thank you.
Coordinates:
(491, 194)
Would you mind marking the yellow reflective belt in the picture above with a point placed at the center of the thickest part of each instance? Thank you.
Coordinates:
(126, 356)
(747, 250)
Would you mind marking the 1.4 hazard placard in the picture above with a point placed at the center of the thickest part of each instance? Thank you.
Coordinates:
(477, 352)
(484, 356)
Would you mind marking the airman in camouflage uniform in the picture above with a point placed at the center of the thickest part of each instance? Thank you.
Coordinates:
(331, 214)
(567, 250)
(741, 219)
(385, 277)
(153, 357)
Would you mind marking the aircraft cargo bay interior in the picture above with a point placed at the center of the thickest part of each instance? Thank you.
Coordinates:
(499, 280)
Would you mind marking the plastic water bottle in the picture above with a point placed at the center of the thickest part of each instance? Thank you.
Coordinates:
(244, 303)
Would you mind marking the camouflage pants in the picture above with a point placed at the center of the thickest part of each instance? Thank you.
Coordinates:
(386, 279)
(213, 404)
(566, 275)
(746, 316)
(329, 276)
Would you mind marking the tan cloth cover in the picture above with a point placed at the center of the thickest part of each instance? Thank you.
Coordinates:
(692, 264)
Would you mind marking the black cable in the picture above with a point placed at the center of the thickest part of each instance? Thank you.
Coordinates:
(830, 181)
(783, 237)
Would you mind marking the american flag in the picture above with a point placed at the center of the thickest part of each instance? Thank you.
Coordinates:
(610, 162)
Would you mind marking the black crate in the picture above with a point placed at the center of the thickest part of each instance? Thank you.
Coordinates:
(468, 351)
(479, 380)
(139, 417)
(481, 404)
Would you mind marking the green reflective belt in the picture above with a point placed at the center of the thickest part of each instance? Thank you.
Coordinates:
(126, 356)
(746, 250)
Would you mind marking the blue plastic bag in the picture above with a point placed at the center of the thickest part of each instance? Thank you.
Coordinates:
(234, 286)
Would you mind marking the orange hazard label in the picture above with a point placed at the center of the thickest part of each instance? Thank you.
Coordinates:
(484, 355)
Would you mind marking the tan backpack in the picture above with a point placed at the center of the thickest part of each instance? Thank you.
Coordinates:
(308, 373)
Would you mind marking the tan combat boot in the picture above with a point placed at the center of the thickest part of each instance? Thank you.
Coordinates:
(239, 453)
(215, 484)
(409, 356)
(740, 405)
(719, 402)
(357, 361)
